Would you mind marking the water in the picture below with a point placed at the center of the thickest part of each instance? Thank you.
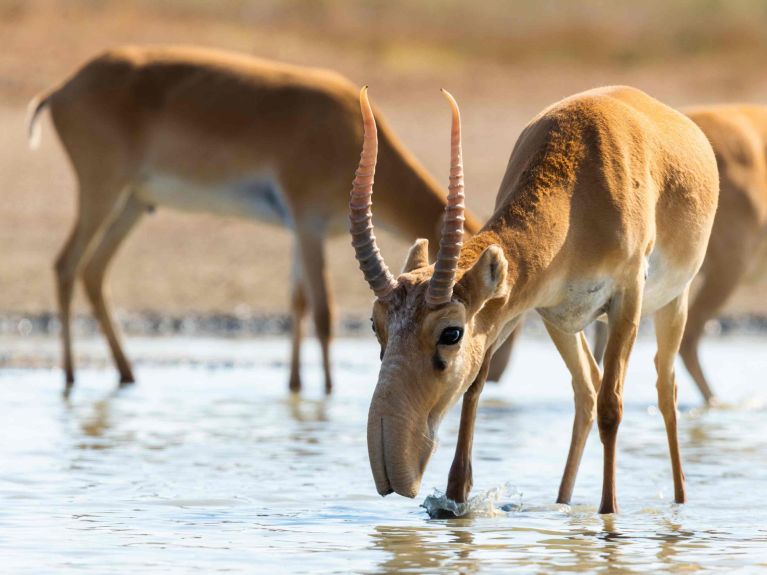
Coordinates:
(208, 466)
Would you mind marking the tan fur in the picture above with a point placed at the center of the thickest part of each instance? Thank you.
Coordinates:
(201, 130)
(738, 135)
(606, 207)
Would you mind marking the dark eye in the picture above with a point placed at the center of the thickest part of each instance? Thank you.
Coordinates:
(450, 336)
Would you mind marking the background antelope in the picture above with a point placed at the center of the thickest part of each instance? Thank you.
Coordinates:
(738, 135)
(586, 222)
(210, 131)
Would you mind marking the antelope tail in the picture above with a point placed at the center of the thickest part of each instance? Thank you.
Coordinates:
(36, 106)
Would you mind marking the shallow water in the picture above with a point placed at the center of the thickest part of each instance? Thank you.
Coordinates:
(208, 466)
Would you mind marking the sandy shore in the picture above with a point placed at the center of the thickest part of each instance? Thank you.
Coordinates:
(181, 265)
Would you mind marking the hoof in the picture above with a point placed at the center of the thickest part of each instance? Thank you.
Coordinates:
(442, 507)
(606, 509)
(68, 385)
(294, 385)
(443, 514)
(127, 380)
(459, 482)
(458, 494)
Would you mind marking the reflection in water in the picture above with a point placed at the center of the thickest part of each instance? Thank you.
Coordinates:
(98, 422)
(220, 471)
(674, 541)
(591, 543)
(611, 544)
(422, 549)
(307, 410)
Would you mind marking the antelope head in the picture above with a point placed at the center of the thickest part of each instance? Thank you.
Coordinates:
(426, 320)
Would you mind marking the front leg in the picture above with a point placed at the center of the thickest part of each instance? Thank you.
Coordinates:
(459, 480)
(586, 380)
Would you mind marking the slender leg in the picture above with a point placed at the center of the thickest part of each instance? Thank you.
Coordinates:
(92, 218)
(298, 308)
(596, 373)
(585, 373)
(624, 317)
(94, 272)
(715, 290)
(669, 327)
(459, 480)
(317, 286)
(600, 340)
(502, 355)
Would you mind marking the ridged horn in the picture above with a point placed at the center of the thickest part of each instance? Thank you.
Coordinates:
(371, 263)
(440, 289)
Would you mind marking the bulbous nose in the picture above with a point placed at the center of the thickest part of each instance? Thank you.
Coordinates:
(400, 441)
(398, 452)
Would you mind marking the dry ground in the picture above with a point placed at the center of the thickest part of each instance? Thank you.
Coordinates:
(177, 263)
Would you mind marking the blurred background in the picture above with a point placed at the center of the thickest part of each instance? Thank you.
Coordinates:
(503, 60)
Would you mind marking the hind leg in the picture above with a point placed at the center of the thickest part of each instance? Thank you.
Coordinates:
(599, 340)
(95, 208)
(715, 290)
(585, 379)
(94, 273)
(624, 314)
(299, 307)
(316, 284)
(669, 327)
(501, 357)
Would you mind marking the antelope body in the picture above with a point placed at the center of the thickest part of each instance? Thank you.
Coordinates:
(208, 131)
(606, 208)
(738, 135)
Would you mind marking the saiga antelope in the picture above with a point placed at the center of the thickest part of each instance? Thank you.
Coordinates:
(738, 136)
(209, 131)
(606, 208)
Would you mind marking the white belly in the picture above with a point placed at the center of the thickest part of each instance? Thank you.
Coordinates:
(664, 282)
(257, 197)
(581, 301)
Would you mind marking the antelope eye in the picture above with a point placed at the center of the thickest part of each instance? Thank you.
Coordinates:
(450, 336)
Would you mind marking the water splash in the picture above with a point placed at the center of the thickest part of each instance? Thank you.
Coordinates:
(488, 503)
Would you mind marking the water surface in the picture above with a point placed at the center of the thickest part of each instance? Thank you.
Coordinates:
(209, 466)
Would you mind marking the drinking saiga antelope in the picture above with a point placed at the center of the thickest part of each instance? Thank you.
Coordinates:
(606, 208)
(209, 131)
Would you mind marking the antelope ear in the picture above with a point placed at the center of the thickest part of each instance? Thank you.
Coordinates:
(487, 277)
(417, 257)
